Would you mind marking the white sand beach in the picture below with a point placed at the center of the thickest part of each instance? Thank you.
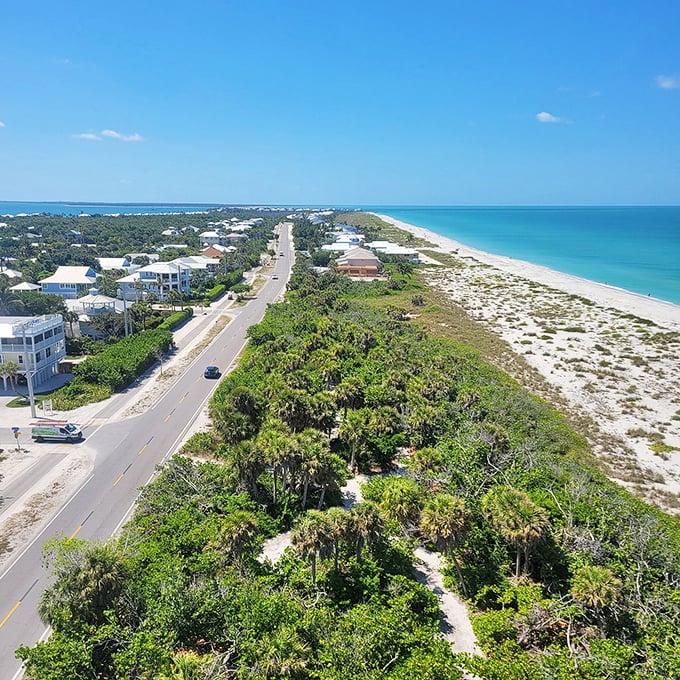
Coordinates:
(611, 354)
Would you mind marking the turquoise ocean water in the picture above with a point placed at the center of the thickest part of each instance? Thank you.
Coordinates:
(636, 248)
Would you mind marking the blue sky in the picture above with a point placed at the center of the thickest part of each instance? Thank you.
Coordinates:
(364, 103)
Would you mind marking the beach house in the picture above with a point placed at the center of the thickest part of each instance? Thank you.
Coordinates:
(359, 262)
(69, 282)
(35, 343)
(158, 278)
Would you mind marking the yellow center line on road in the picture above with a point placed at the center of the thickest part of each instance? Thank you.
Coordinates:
(197, 379)
(75, 533)
(11, 611)
(167, 417)
(16, 606)
(121, 475)
(141, 451)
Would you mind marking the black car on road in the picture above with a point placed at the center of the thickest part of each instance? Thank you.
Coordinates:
(211, 372)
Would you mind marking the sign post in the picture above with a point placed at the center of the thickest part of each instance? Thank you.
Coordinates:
(17, 432)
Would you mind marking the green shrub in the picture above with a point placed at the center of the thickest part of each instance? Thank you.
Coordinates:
(216, 292)
(118, 365)
(78, 393)
(176, 319)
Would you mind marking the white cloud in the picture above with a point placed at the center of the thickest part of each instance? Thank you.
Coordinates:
(88, 135)
(545, 117)
(2, 124)
(668, 82)
(135, 137)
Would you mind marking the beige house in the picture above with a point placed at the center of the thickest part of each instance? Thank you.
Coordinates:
(359, 262)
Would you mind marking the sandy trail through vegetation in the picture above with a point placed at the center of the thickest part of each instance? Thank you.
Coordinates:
(454, 621)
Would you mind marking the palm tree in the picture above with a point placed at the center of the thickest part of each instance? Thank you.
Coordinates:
(237, 535)
(70, 318)
(90, 578)
(366, 524)
(10, 303)
(312, 536)
(248, 459)
(338, 523)
(517, 518)
(279, 448)
(286, 655)
(348, 394)
(11, 370)
(596, 587)
(401, 501)
(445, 520)
(353, 431)
(312, 446)
(173, 297)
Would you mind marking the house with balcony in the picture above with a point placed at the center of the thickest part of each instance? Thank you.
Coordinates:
(35, 343)
(359, 263)
(158, 278)
(69, 282)
(211, 238)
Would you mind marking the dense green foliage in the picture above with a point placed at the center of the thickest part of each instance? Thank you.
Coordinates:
(176, 319)
(569, 575)
(118, 365)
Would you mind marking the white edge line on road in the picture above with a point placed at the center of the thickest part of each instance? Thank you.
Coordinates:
(46, 527)
(173, 447)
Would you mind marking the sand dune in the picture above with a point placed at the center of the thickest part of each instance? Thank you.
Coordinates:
(611, 354)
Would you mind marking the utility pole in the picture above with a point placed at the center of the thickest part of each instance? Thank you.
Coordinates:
(29, 377)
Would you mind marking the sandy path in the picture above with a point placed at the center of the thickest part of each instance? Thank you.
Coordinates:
(454, 621)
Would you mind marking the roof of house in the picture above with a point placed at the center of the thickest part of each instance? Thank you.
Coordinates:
(11, 326)
(83, 275)
(25, 285)
(94, 300)
(113, 262)
(366, 257)
(197, 261)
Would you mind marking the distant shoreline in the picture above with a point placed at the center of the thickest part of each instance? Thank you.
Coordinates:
(610, 353)
(655, 309)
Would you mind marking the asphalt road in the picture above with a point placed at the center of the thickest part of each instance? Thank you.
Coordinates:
(127, 453)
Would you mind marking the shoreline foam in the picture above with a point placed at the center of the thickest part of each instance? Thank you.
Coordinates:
(610, 353)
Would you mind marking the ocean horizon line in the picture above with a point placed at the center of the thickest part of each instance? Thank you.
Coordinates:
(356, 206)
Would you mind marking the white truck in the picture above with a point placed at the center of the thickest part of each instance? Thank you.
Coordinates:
(55, 431)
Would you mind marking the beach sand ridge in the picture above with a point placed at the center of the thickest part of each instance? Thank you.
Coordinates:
(611, 355)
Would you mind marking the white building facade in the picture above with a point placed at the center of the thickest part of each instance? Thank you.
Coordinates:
(36, 343)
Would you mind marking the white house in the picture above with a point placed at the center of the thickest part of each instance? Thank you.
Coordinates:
(109, 263)
(69, 282)
(211, 238)
(390, 248)
(35, 343)
(158, 278)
